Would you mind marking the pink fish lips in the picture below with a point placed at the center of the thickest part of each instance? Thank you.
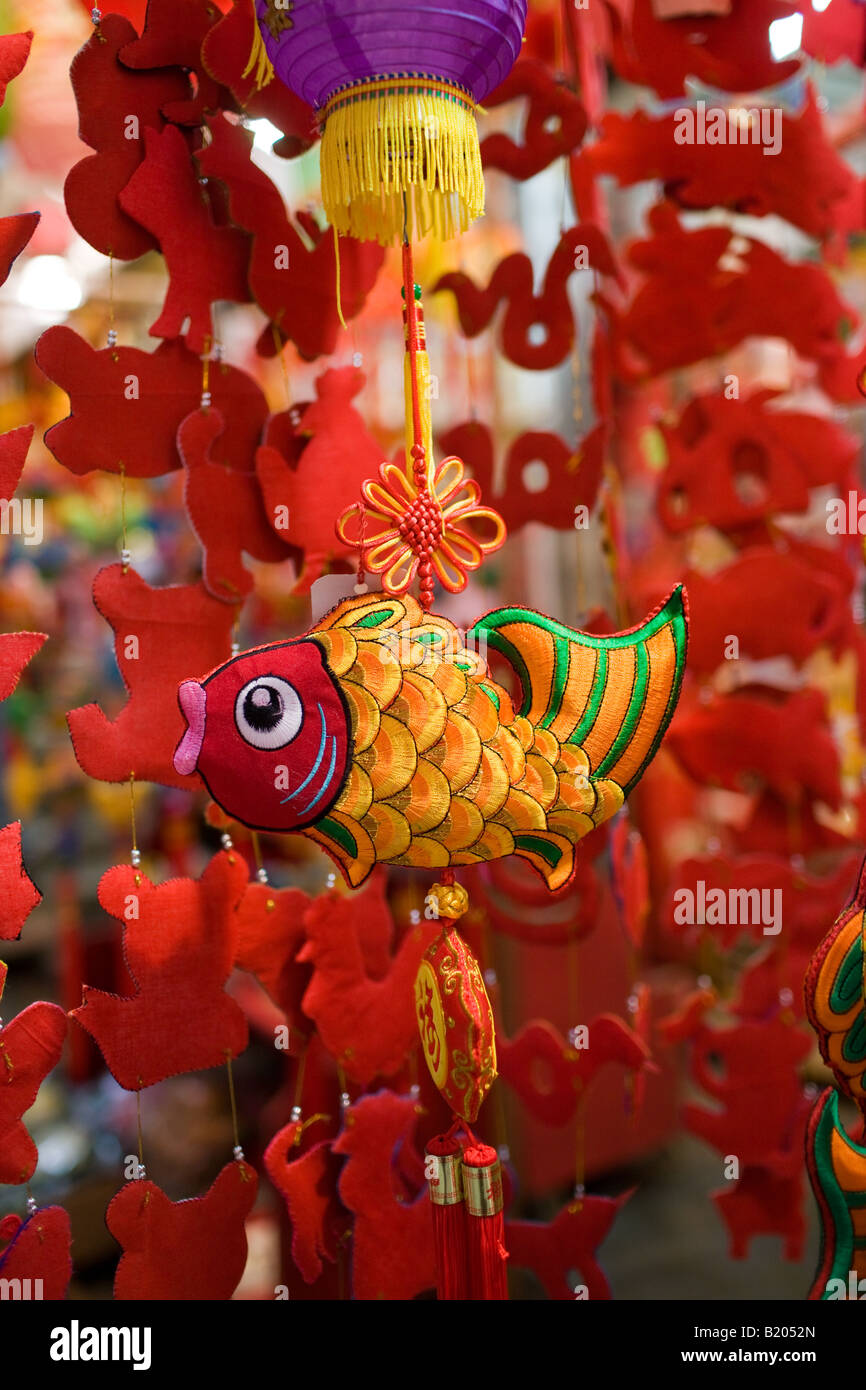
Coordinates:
(268, 733)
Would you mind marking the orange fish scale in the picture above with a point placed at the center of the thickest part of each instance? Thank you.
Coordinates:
(480, 710)
(521, 812)
(463, 825)
(458, 752)
(490, 785)
(388, 829)
(357, 794)
(511, 752)
(424, 800)
(340, 648)
(382, 678)
(392, 759)
(364, 715)
(540, 781)
(422, 708)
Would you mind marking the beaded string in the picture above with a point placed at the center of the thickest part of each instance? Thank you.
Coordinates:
(422, 526)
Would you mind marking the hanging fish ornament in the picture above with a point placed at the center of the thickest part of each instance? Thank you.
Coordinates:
(381, 734)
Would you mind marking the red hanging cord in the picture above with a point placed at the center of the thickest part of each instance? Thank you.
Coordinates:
(485, 1224)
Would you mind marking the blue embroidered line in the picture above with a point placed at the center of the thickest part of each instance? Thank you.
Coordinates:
(327, 780)
(316, 765)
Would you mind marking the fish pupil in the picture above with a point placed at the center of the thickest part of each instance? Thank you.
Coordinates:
(263, 708)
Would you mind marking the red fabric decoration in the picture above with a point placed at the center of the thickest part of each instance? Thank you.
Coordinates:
(485, 1224)
(801, 608)
(367, 1025)
(392, 1245)
(308, 1184)
(126, 405)
(15, 232)
(295, 286)
(519, 904)
(573, 475)
(223, 55)
(205, 262)
(568, 1243)
(671, 322)
(742, 742)
(37, 1250)
(16, 649)
(178, 629)
(555, 121)
(18, 893)
(835, 33)
(730, 51)
(179, 944)
(114, 107)
(512, 281)
(764, 1203)
(180, 1251)
(172, 37)
(548, 1075)
(340, 449)
(30, 1047)
(14, 52)
(805, 181)
(630, 879)
(270, 934)
(225, 509)
(13, 454)
(735, 462)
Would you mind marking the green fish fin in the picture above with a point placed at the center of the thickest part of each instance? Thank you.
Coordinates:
(551, 855)
(837, 1172)
(613, 695)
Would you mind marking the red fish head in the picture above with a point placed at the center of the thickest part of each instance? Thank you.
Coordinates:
(269, 734)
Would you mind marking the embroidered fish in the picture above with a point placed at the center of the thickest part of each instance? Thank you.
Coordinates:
(381, 735)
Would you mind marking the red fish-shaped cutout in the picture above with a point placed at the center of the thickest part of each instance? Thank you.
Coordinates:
(37, 1252)
(181, 1251)
(30, 1047)
(179, 944)
(155, 632)
(126, 406)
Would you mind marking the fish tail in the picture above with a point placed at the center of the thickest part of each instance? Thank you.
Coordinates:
(614, 696)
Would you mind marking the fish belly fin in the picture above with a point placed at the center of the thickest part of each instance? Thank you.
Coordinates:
(837, 1172)
(613, 696)
(348, 844)
(551, 855)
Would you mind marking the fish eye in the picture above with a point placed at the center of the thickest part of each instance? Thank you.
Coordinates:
(268, 712)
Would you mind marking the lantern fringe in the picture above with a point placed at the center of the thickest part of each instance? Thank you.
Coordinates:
(258, 59)
(400, 158)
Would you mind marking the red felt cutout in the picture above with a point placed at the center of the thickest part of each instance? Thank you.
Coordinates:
(38, 1249)
(178, 629)
(688, 1020)
(16, 649)
(808, 609)
(806, 182)
(555, 121)
(14, 52)
(115, 106)
(743, 742)
(194, 1249)
(392, 1245)
(205, 262)
(761, 1203)
(573, 475)
(13, 454)
(270, 934)
(18, 893)
(126, 405)
(308, 1184)
(735, 462)
(172, 37)
(368, 1025)
(518, 904)
(224, 56)
(341, 449)
(225, 509)
(512, 281)
(835, 32)
(547, 1073)
(292, 266)
(30, 1047)
(629, 865)
(15, 232)
(701, 298)
(179, 944)
(730, 51)
(565, 1246)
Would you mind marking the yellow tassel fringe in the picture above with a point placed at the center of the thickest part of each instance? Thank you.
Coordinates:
(259, 60)
(412, 136)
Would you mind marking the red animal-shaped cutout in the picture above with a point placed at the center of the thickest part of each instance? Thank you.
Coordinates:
(18, 893)
(392, 1246)
(764, 1203)
(368, 1025)
(14, 445)
(14, 52)
(537, 330)
(126, 406)
(548, 1074)
(341, 449)
(292, 265)
(179, 944)
(15, 232)
(566, 1246)
(182, 1251)
(205, 262)
(37, 1250)
(172, 38)
(16, 649)
(555, 121)
(518, 904)
(115, 106)
(159, 636)
(270, 934)
(734, 463)
(743, 742)
(225, 509)
(30, 1047)
(307, 1183)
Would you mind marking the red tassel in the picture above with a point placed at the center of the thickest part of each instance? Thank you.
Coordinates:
(449, 1222)
(485, 1223)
